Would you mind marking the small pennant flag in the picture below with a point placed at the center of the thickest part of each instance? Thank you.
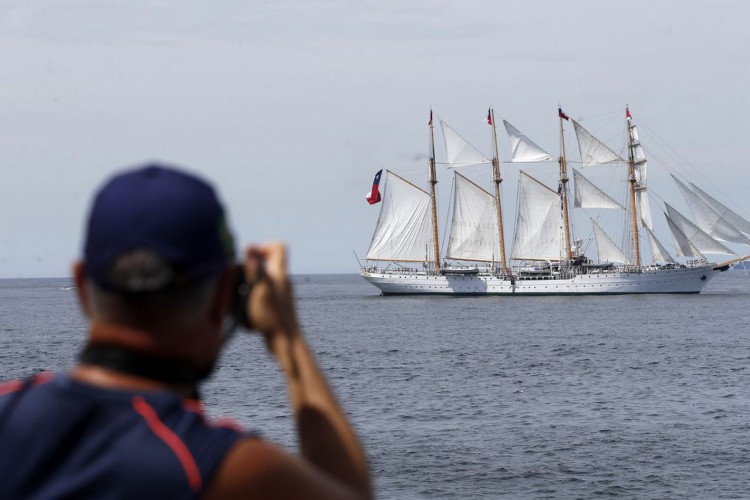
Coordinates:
(489, 116)
(627, 113)
(430, 122)
(373, 196)
(561, 114)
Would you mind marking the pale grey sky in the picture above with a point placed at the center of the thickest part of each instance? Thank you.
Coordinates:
(290, 107)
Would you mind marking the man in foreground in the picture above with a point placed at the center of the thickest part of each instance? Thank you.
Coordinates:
(157, 285)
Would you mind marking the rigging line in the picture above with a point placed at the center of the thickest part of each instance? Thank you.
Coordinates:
(671, 242)
(553, 160)
(571, 219)
(586, 247)
(623, 226)
(443, 251)
(414, 173)
(515, 222)
(464, 165)
(693, 168)
(659, 198)
(607, 124)
(608, 113)
(589, 236)
(663, 142)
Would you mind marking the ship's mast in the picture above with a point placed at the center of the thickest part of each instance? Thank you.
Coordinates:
(564, 185)
(433, 181)
(498, 179)
(632, 182)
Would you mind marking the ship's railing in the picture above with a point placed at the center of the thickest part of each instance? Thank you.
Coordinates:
(520, 275)
(397, 271)
(554, 276)
(696, 262)
(629, 268)
(402, 271)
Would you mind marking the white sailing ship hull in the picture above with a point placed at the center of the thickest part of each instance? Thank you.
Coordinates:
(678, 280)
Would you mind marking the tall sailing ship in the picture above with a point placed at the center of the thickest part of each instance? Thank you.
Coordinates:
(545, 259)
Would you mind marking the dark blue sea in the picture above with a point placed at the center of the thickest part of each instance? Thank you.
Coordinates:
(488, 397)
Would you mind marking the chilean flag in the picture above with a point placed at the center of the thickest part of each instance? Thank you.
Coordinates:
(489, 116)
(627, 113)
(373, 196)
(561, 114)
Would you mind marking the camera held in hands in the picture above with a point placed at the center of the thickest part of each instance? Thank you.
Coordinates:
(240, 303)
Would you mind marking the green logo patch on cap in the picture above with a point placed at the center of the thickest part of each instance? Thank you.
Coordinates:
(225, 236)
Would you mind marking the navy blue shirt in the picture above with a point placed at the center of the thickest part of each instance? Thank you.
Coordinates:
(60, 438)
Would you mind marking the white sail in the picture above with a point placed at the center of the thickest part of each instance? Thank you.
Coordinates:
(725, 212)
(708, 219)
(522, 148)
(593, 151)
(538, 223)
(404, 229)
(658, 252)
(697, 237)
(474, 232)
(683, 246)
(459, 152)
(587, 195)
(640, 168)
(644, 209)
(607, 250)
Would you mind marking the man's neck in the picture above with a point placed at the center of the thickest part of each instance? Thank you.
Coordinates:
(112, 379)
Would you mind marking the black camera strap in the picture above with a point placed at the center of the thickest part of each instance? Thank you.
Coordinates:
(136, 363)
(167, 370)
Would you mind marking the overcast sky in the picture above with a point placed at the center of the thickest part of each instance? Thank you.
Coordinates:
(290, 107)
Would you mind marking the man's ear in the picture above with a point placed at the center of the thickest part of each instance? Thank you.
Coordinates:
(79, 276)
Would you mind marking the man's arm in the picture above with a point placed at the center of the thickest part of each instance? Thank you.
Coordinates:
(254, 468)
(333, 464)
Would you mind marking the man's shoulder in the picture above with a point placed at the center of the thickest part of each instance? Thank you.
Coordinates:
(15, 386)
(164, 437)
(195, 407)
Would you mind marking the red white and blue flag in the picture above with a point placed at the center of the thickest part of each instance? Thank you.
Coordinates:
(561, 114)
(627, 113)
(489, 116)
(373, 196)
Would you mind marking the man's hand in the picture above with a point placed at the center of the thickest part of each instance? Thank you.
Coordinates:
(271, 302)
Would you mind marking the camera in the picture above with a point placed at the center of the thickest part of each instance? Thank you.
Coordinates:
(240, 304)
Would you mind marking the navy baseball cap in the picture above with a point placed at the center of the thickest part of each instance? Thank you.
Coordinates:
(174, 216)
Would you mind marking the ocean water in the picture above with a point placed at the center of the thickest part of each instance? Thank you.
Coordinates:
(486, 397)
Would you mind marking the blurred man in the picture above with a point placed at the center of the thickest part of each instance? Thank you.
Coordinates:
(157, 283)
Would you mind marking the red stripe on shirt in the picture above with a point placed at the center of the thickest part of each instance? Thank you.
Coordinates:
(10, 386)
(42, 378)
(195, 406)
(170, 439)
(16, 385)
